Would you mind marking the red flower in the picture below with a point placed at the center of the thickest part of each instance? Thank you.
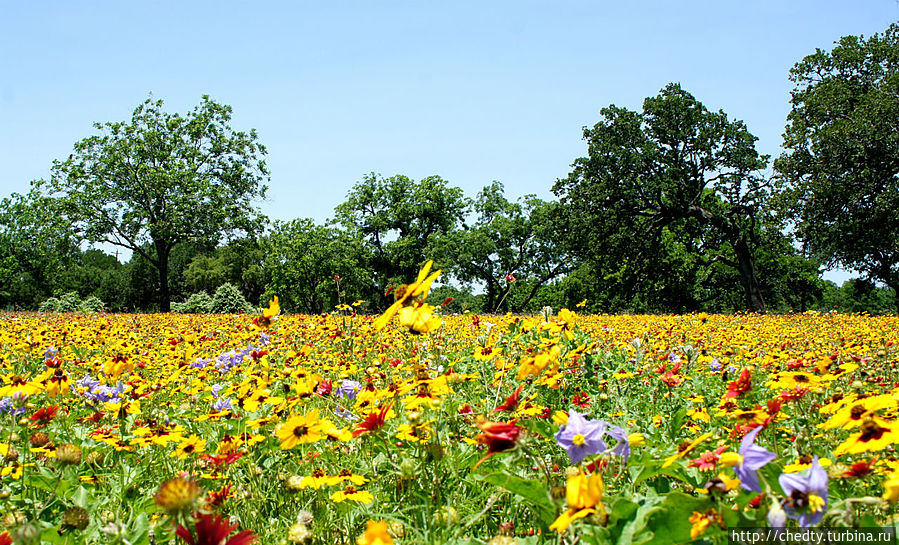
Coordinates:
(756, 501)
(707, 460)
(510, 403)
(672, 380)
(96, 417)
(5, 539)
(214, 531)
(498, 436)
(324, 389)
(217, 497)
(223, 459)
(581, 399)
(44, 416)
(859, 469)
(740, 386)
(374, 421)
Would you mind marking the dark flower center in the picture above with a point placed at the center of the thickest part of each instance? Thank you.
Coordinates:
(300, 431)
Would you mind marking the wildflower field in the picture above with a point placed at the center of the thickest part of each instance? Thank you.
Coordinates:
(422, 428)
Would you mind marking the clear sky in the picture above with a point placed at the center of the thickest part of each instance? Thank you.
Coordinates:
(471, 91)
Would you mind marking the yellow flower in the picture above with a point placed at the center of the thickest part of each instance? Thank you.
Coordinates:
(583, 495)
(301, 429)
(636, 439)
(891, 488)
(685, 448)
(405, 293)
(533, 365)
(350, 493)
(191, 445)
(375, 534)
(875, 434)
(730, 459)
(419, 319)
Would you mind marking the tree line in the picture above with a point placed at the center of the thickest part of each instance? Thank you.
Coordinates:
(671, 209)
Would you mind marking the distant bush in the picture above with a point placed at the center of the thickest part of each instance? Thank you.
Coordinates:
(197, 303)
(70, 302)
(50, 305)
(93, 304)
(229, 300)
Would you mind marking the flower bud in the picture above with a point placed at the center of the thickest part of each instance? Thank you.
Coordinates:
(70, 454)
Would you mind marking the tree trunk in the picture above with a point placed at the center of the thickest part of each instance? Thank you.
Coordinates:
(162, 265)
(750, 281)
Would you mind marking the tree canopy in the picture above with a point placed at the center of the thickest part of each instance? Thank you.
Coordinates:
(674, 175)
(840, 171)
(161, 180)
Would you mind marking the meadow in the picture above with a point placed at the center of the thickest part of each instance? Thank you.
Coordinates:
(418, 427)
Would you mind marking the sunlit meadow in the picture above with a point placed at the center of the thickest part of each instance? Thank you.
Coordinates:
(422, 427)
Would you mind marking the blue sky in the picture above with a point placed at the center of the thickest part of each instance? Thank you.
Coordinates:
(471, 91)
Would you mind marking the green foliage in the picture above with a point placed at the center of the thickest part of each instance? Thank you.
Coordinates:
(229, 300)
(399, 219)
(312, 268)
(92, 304)
(506, 238)
(35, 247)
(856, 295)
(70, 302)
(163, 180)
(840, 171)
(51, 304)
(674, 181)
(197, 303)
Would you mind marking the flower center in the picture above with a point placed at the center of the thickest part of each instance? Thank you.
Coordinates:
(579, 440)
(816, 503)
(300, 431)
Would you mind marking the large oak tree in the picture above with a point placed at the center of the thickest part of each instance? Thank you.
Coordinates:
(673, 175)
(841, 166)
(162, 180)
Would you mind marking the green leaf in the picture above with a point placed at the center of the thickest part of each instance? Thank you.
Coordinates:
(532, 491)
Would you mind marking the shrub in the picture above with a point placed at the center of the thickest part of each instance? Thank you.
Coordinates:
(92, 304)
(70, 302)
(197, 303)
(50, 305)
(229, 300)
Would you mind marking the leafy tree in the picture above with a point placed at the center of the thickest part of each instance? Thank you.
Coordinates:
(35, 245)
(312, 268)
(239, 262)
(398, 218)
(841, 166)
(857, 295)
(510, 248)
(163, 180)
(675, 176)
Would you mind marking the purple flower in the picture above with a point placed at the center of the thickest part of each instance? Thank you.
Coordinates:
(349, 388)
(51, 352)
(715, 365)
(581, 437)
(623, 448)
(6, 405)
(222, 405)
(806, 494)
(753, 458)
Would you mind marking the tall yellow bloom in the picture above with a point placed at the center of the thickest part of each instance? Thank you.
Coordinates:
(419, 319)
(407, 292)
(583, 494)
